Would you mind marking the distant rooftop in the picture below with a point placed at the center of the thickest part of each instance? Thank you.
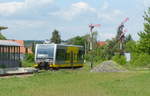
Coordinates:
(8, 43)
(101, 43)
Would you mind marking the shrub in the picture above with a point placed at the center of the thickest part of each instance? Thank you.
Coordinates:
(28, 61)
(119, 59)
(140, 59)
(29, 57)
(94, 58)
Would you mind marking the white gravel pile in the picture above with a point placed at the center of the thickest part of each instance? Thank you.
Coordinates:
(108, 66)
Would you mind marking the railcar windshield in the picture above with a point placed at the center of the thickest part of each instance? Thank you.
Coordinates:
(45, 51)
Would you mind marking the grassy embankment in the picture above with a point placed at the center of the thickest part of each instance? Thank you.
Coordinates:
(77, 83)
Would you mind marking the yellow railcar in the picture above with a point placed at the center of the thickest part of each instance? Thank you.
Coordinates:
(58, 56)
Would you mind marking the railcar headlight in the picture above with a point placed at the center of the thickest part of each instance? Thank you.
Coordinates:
(35, 65)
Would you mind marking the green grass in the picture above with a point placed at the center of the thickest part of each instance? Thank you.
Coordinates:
(77, 83)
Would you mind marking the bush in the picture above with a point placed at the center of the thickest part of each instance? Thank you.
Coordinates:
(140, 59)
(94, 58)
(29, 57)
(28, 61)
(119, 59)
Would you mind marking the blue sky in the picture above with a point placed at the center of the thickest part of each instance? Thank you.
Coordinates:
(36, 19)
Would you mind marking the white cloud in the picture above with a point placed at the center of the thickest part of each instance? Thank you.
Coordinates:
(77, 9)
(74, 10)
(108, 14)
(116, 12)
(36, 3)
(146, 3)
(82, 5)
(105, 5)
(8, 8)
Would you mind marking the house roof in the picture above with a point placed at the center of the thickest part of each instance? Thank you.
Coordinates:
(9, 43)
(21, 42)
(101, 43)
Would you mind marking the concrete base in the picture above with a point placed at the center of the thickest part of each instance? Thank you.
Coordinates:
(18, 70)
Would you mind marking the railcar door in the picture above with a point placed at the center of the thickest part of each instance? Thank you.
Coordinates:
(71, 59)
(72, 54)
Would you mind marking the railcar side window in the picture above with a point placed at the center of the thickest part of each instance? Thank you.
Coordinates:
(61, 54)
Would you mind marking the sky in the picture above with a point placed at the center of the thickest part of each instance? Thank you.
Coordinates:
(36, 19)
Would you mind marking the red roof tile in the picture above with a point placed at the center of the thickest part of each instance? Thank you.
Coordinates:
(101, 43)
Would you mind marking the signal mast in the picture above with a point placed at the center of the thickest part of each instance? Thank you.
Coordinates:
(121, 34)
(92, 26)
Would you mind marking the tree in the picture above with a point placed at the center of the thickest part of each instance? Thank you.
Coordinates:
(144, 42)
(56, 37)
(84, 40)
(131, 46)
(111, 48)
(78, 40)
(128, 38)
(33, 47)
(1, 36)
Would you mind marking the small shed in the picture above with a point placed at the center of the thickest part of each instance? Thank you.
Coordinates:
(9, 54)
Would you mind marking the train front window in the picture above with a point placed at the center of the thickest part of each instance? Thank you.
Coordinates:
(45, 51)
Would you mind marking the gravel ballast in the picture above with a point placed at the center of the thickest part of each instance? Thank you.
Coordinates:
(109, 66)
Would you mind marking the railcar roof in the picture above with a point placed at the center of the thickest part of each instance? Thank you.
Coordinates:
(8, 43)
(62, 45)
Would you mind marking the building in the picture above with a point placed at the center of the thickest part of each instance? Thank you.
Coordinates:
(23, 49)
(9, 54)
